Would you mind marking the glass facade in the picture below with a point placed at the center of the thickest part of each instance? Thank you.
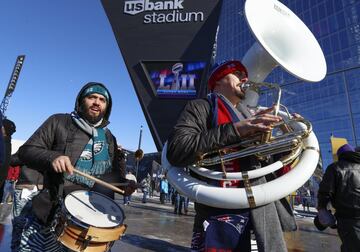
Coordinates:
(332, 105)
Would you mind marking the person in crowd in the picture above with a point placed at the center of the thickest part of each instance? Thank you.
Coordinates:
(181, 203)
(306, 200)
(186, 204)
(168, 197)
(340, 186)
(8, 129)
(176, 198)
(164, 189)
(9, 187)
(152, 187)
(80, 140)
(214, 122)
(30, 181)
(173, 194)
(131, 177)
(145, 187)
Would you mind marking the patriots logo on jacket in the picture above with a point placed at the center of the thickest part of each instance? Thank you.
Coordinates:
(236, 221)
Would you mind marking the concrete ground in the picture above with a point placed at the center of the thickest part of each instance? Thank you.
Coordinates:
(154, 227)
(158, 229)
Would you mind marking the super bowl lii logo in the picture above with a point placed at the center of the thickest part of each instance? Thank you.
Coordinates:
(162, 11)
(179, 82)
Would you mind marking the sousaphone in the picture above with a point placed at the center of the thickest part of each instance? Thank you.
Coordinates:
(282, 40)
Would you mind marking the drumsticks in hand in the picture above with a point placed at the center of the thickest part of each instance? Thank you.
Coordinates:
(103, 183)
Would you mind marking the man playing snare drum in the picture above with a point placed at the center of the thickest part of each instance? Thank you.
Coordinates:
(64, 142)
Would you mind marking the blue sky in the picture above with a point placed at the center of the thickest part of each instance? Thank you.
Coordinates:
(67, 43)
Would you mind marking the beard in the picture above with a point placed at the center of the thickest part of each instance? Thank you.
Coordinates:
(85, 113)
(240, 94)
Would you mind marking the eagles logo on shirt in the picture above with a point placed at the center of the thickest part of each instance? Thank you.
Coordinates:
(86, 155)
(98, 147)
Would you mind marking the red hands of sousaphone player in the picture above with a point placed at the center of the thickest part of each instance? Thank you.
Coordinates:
(261, 122)
(63, 164)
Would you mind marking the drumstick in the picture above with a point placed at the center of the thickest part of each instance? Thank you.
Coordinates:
(103, 183)
(119, 184)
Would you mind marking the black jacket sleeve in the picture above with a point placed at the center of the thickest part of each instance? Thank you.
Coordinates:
(193, 134)
(119, 162)
(37, 151)
(2, 147)
(327, 187)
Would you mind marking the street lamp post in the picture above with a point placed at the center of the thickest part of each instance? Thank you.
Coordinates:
(139, 153)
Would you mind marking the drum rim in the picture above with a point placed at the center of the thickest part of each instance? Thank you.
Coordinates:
(81, 223)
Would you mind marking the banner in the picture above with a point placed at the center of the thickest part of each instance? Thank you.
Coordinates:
(167, 48)
(336, 143)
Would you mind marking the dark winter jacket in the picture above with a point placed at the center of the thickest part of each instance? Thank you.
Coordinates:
(58, 136)
(9, 128)
(194, 135)
(341, 186)
(27, 176)
(2, 150)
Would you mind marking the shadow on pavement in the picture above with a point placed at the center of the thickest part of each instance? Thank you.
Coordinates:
(305, 213)
(152, 244)
(156, 209)
(312, 230)
(149, 207)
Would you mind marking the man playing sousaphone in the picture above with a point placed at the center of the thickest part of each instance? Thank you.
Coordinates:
(213, 123)
(79, 140)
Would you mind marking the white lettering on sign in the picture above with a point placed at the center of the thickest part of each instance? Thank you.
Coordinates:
(177, 15)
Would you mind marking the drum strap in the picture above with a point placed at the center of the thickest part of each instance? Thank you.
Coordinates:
(60, 192)
(45, 207)
(54, 211)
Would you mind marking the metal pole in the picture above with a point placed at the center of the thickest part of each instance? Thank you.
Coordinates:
(351, 115)
(137, 160)
(140, 137)
(12, 83)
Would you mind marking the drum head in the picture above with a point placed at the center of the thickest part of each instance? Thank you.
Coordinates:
(94, 209)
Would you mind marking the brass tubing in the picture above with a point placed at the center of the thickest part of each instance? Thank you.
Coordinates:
(278, 144)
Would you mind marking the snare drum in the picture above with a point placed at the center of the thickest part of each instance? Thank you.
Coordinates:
(89, 221)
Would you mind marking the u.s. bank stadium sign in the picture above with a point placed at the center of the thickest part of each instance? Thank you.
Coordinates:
(162, 11)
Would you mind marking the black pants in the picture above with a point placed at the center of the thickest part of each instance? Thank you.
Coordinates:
(349, 232)
(162, 198)
(2, 183)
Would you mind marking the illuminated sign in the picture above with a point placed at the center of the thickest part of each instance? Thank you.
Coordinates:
(171, 79)
(162, 11)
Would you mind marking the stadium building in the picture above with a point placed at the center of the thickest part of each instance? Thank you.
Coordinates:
(333, 104)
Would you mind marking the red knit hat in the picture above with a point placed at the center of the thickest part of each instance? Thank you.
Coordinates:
(223, 69)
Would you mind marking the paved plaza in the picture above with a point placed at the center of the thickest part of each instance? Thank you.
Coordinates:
(154, 227)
